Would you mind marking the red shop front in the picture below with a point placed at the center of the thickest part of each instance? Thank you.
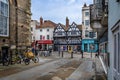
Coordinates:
(43, 44)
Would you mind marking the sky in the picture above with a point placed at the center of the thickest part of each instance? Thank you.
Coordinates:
(58, 10)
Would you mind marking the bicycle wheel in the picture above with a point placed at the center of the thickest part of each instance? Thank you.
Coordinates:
(6, 62)
(27, 61)
(35, 59)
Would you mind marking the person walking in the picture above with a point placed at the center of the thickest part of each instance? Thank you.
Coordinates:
(81, 54)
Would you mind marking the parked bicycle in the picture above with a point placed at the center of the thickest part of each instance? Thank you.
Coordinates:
(5, 61)
(30, 56)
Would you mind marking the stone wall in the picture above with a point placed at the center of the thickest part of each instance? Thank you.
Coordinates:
(22, 22)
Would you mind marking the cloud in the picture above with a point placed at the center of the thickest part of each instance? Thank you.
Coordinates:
(71, 1)
(57, 10)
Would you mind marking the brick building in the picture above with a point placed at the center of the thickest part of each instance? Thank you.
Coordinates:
(15, 17)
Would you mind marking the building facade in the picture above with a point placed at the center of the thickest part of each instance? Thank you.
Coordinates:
(59, 36)
(99, 22)
(88, 35)
(42, 33)
(67, 38)
(114, 39)
(15, 16)
(34, 23)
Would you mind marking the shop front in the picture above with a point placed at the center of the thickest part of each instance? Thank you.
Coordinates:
(89, 45)
(43, 44)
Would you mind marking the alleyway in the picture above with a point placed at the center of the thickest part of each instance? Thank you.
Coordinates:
(57, 68)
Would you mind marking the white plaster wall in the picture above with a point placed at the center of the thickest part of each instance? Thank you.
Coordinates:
(44, 33)
(85, 9)
(33, 25)
(113, 17)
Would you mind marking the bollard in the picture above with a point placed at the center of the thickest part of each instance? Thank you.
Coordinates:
(58, 53)
(91, 54)
(81, 54)
(62, 54)
(71, 54)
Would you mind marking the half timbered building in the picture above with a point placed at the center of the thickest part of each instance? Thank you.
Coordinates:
(66, 38)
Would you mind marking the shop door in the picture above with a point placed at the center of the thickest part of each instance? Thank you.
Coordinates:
(85, 47)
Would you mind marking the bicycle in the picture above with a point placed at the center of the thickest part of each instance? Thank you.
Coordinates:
(30, 56)
(5, 61)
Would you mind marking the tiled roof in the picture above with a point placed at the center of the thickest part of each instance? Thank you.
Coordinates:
(48, 23)
(79, 26)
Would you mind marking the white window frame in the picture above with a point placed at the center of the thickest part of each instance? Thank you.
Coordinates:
(5, 16)
(116, 66)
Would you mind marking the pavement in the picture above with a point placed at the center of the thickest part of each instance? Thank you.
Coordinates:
(88, 70)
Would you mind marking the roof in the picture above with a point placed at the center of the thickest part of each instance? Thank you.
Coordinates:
(48, 23)
(66, 28)
(79, 26)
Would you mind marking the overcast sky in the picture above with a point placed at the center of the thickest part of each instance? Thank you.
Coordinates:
(57, 10)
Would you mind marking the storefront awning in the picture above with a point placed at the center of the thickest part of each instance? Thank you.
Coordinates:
(44, 42)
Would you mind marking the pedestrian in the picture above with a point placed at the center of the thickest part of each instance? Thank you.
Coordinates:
(4, 56)
(81, 54)
(97, 54)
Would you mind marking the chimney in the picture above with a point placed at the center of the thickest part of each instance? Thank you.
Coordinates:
(85, 5)
(41, 21)
(67, 22)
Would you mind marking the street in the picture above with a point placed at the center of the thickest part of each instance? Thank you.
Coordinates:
(57, 68)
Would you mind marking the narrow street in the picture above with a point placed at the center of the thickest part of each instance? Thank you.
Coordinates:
(58, 69)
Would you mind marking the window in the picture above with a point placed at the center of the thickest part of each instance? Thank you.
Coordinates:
(116, 50)
(40, 30)
(47, 30)
(86, 13)
(73, 32)
(48, 37)
(31, 29)
(4, 26)
(86, 22)
(86, 33)
(40, 37)
(92, 34)
(59, 33)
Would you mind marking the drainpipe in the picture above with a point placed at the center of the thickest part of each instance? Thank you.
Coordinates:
(16, 24)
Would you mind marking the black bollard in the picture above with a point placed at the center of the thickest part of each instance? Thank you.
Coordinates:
(71, 54)
(59, 53)
(62, 54)
(81, 54)
(91, 54)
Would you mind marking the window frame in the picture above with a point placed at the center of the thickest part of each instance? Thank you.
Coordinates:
(48, 37)
(40, 30)
(87, 14)
(87, 22)
(48, 30)
(40, 37)
(4, 18)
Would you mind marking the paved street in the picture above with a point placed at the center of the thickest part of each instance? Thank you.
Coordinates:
(57, 68)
